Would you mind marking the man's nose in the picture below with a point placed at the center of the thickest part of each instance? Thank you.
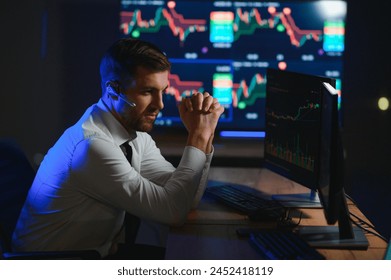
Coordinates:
(158, 101)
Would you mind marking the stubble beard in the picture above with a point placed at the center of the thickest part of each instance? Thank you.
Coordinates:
(140, 125)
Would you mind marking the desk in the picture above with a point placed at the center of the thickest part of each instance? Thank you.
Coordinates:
(210, 230)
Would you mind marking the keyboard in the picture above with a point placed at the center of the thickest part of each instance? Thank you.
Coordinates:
(282, 245)
(256, 207)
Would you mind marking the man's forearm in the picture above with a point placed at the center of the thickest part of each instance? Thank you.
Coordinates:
(200, 141)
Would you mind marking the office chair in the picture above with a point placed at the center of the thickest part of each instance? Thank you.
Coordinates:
(16, 177)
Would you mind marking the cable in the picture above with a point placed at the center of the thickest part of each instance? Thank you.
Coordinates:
(369, 231)
(362, 221)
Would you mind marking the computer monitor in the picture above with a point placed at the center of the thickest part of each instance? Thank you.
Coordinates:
(303, 143)
(331, 184)
(292, 129)
(225, 47)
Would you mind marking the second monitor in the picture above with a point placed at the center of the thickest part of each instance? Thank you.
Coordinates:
(292, 141)
(303, 143)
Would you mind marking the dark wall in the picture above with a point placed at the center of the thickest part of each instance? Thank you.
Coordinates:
(50, 51)
(367, 130)
(26, 84)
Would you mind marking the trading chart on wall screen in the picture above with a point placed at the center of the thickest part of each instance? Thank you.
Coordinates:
(225, 47)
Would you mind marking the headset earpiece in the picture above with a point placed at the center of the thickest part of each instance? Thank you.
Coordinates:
(112, 88)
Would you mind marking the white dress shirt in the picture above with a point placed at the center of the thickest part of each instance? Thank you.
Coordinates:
(85, 184)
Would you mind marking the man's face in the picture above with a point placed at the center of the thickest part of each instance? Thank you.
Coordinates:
(146, 91)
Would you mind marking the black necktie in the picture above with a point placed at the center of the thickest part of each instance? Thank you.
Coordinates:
(131, 222)
(128, 151)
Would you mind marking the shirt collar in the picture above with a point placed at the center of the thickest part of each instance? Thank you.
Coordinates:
(118, 132)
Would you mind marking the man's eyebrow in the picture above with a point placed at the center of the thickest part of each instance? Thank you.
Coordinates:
(153, 88)
(149, 88)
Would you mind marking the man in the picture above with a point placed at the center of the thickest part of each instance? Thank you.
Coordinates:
(86, 184)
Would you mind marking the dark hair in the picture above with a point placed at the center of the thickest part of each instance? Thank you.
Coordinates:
(122, 59)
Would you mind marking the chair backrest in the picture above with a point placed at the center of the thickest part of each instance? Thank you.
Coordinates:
(16, 177)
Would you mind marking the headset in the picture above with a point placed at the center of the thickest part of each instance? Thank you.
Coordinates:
(112, 89)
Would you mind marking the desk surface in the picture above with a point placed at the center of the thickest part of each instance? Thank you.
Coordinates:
(210, 230)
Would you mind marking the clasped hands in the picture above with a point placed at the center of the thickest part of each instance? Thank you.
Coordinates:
(200, 113)
(201, 102)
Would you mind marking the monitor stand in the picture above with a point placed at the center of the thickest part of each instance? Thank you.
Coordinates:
(299, 200)
(329, 237)
(341, 236)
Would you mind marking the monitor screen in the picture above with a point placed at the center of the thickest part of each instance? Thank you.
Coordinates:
(225, 47)
(293, 123)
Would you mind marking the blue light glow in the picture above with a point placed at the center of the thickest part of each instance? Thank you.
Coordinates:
(243, 134)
